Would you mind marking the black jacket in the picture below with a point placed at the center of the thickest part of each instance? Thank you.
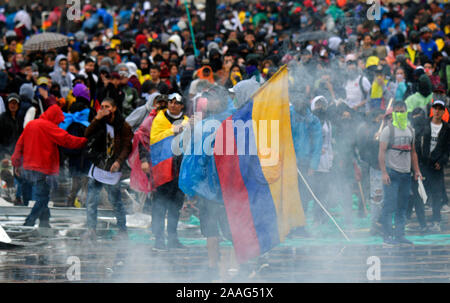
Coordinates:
(10, 131)
(96, 135)
(441, 152)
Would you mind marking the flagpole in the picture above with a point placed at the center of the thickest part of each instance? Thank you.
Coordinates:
(320, 204)
(196, 52)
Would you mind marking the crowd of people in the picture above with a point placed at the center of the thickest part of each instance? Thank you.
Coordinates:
(369, 105)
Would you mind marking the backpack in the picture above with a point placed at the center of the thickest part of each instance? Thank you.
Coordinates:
(361, 87)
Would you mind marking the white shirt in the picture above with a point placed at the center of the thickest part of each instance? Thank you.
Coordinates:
(435, 129)
(353, 91)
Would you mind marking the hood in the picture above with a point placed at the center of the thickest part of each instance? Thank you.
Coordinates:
(81, 90)
(314, 101)
(425, 87)
(58, 58)
(27, 90)
(140, 40)
(53, 114)
(244, 90)
(150, 98)
(176, 40)
(132, 68)
(190, 61)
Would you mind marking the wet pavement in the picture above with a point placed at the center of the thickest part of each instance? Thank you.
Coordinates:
(58, 255)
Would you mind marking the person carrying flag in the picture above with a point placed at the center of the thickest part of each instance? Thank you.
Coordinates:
(165, 168)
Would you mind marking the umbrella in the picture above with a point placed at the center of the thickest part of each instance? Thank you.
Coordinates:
(45, 41)
(313, 35)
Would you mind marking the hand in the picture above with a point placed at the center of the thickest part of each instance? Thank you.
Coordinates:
(115, 167)
(417, 175)
(437, 166)
(380, 81)
(386, 179)
(104, 79)
(177, 128)
(17, 171)
(102, 113)
(145, 167)
(43, 92)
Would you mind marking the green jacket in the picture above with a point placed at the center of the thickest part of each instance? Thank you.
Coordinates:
(417, 100)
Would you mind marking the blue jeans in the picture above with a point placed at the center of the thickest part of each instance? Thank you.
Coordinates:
(24, 190)
(395, 202)
(41, 193)
(114, 196)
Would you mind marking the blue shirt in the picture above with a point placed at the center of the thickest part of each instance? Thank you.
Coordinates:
(428, 48)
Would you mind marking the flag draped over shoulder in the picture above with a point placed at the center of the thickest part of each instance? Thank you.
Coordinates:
(161, 137)
(257, 171)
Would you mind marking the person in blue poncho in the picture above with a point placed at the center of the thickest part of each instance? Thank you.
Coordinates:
(198, 174)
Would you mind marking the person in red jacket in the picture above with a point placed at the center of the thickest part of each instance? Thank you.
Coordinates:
(36, 158)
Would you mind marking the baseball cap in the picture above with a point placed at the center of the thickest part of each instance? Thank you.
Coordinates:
(13, 97)
(176, 96)
(42, 80)
(372, 60)
(438, 103)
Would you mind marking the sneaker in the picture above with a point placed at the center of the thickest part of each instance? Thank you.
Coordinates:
(175, 244)
(28, 223)
(435, 227)
(388, 242)
(403, 241)
(160, 245)
(416, 228)
(445, 209)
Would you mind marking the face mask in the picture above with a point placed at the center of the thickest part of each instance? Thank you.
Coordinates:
(399, 78)
(400, 120)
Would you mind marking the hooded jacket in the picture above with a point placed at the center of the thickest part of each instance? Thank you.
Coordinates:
(176, 42)
(37, 147)
(138, 116)
(65, 82)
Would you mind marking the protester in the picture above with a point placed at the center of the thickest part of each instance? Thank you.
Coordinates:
(397, 155)
(110, 140)
(433, 152)
(41, 168)
(165, 170)
(127, 56)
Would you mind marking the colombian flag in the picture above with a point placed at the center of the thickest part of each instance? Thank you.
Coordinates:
(161, 137)
(260, 189)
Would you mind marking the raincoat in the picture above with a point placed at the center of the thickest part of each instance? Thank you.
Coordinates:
(65, 82)
(139, 180)
(137, 117)
(198, 172)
